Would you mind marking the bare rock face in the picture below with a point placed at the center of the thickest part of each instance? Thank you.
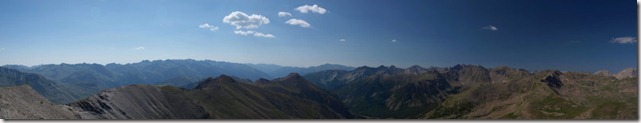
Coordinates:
(554, 80)
(627, 73)
(138, 102)
(22, 102)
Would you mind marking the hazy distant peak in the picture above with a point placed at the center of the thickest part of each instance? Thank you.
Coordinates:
(415, 67)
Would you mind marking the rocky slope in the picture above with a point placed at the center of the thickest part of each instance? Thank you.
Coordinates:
(216, 98)
(22, 102)
(139, 102)
(51, 90)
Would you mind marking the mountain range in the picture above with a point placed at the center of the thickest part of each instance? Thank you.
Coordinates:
(87, 79)
(187, 89)
(475, 92)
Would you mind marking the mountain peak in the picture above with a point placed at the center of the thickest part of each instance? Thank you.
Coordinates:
(415, 67)
(295, 76)
(261, 81)
(210, 82)
(627, 73)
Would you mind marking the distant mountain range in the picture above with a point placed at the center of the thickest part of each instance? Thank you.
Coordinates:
(186, 89)
(86, 79)
(277, 70)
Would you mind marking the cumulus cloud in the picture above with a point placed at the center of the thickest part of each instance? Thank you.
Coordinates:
(342, 40)
(240, 32)
(624, 40)
(207, 26)
(284, 14)
(491, 27)
(242, 20)
(299, 22)
(313, 8)
(139, 48)
(394, 40)
(258, 34)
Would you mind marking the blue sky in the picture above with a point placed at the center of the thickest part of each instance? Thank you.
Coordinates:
(573, 35)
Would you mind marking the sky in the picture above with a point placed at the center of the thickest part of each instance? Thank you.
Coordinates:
(570, 35)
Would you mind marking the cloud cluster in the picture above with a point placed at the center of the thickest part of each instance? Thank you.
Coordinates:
(299, 22)
(491, 27)
(242, 20)
(207, 26)
(245, 23)
(624, 40)
(394, 40)
(313, 8)
(284, 14)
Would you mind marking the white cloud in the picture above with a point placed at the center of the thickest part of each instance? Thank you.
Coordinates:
(207, 26)
(314, 8)
(624, 40)
(139, 48)
(242, 20)
(342, 40)
(491, 27)
(240, 32)
(284, 14)
(394, 40)
(258, 34)
(301, 23)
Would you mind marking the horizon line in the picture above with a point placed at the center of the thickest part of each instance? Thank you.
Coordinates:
(431, 66)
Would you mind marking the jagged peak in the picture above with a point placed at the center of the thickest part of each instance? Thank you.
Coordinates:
(362, 68)
(556, 73)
